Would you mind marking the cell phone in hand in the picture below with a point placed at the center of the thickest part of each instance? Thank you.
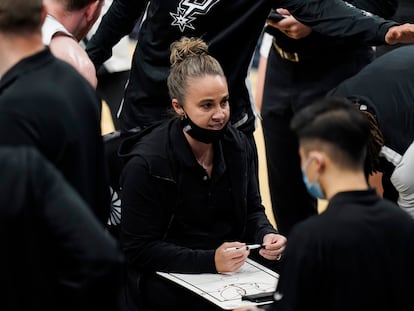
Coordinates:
(276, 17)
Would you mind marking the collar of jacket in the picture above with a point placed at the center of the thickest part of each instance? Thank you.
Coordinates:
(160, 146)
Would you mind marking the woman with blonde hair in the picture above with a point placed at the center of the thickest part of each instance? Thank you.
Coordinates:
(189, 188)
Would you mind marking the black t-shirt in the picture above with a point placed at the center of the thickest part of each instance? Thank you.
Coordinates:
(357, 255)
(45, 103)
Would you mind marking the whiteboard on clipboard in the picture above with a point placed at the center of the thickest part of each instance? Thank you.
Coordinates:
(226, 289)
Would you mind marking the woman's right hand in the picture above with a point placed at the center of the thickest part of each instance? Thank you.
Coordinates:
(230, 260)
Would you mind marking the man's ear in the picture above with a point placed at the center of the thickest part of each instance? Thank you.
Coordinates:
(44, 14)
(93, 10)
(319, 158)
(177, 107)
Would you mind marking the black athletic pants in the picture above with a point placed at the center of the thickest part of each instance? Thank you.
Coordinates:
(290, 86)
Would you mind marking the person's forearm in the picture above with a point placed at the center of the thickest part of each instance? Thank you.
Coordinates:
(118, 22)
(337, 18)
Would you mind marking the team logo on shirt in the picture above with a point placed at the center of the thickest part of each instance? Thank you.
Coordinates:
(188, 10)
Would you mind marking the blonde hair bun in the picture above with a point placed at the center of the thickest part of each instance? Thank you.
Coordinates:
(185, 48)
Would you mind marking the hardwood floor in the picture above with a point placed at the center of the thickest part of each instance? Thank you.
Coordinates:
(263, 181)
(107, 125)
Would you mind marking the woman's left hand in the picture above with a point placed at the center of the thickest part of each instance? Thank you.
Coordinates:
(274, 246)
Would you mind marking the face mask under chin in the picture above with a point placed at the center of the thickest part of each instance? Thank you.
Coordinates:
(201, 134)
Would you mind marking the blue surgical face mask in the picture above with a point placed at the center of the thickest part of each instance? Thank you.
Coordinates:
(315, 188)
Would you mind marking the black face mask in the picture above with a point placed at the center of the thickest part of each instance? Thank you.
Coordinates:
(201, 134)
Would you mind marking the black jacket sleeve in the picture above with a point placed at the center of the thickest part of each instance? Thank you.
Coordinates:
(337, 18)
(383, 8)
(118, 22)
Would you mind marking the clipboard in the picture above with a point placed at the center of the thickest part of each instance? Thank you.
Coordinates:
(231, 290)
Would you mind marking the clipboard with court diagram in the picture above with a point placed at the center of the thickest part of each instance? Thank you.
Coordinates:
(226, 289)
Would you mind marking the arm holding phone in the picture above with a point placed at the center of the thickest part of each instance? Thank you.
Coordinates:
(276, 17)
(282, 20)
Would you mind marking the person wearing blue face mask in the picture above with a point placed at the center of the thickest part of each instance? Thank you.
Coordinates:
(344, 258)
(314, 189)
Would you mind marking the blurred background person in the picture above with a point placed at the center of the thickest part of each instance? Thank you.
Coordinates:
(302, 66)
(384, 92)
(67, 23)
(114, 73)
(47, 104)
(55, 253)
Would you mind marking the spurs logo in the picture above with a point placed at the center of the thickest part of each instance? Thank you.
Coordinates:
(188, 10)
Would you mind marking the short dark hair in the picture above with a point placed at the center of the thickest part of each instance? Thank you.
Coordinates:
(335, 122)
(20, 16)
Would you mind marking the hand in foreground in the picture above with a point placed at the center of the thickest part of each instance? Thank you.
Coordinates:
(400, 34)
(290, 26)
(230, 260)
(274, 246)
